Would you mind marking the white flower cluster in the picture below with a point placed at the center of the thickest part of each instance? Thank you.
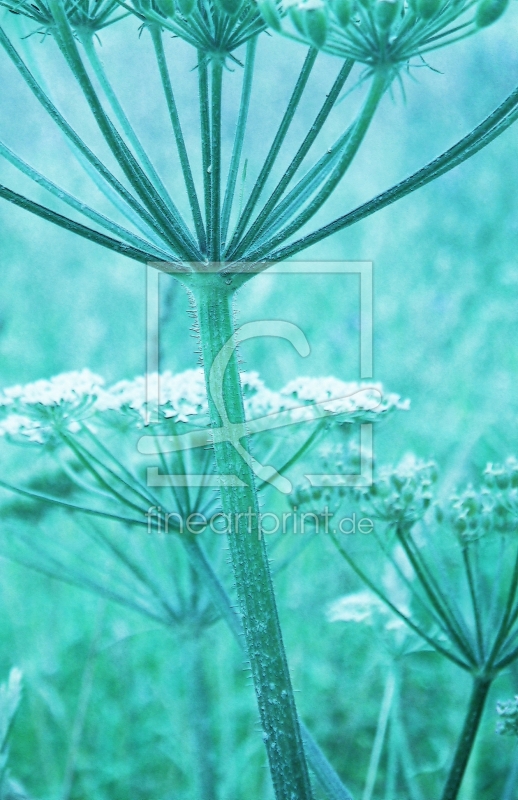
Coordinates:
(360, 607)
(508, 712)
(36, 412)
(348, 398)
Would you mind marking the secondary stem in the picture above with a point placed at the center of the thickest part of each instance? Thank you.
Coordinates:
(264, 644)
(481, 686)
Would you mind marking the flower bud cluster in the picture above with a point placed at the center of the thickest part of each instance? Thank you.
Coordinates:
(401, 495)
(508, 712)
(380, 33)
(214, 27)
(83, 15)
(493, 508)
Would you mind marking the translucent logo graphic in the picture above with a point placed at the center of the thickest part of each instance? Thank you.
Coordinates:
(368, 397)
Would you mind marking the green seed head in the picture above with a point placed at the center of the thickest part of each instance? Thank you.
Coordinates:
(489, 11)
(343, 10)
(186, 7)
(385, 13)
(166, 7)
(270, 13)
(428, 8)
(230, 7)
(316, 22)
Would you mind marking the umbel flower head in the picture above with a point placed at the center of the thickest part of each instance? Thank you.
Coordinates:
(214, 27)
(402, 494)
(39, 412)
(380, 33)
(83, 15)
(492, 508)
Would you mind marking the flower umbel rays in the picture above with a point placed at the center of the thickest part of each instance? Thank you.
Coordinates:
(83, 15)
(214, 27)
(383, 34)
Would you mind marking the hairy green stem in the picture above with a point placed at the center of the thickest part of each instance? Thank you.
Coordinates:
(481, 686)
(264, 644)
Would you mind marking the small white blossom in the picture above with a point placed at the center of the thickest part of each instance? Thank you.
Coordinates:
(508, 712)
(39, 410)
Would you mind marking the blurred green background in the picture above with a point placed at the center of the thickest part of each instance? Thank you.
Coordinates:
(107, 710)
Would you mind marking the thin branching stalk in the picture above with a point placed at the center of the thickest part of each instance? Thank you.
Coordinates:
(275, 148)
(239, 138)
(156, 35)
(203, 84)
(318, 124)
(215, 162)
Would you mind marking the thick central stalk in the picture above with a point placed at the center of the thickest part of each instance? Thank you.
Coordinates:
(257, 605)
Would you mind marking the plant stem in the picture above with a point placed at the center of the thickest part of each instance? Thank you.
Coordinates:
(203, 80)
(215, 162)
(495, 124)
(383, 719)
(276, 146)
(481, 686)
(361, 126)
(237, 149)
(303, 150)
(205, 777)
(87, 40)
(254, 586)
(156, 35)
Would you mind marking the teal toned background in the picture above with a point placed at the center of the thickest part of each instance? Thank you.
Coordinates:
(105, 691)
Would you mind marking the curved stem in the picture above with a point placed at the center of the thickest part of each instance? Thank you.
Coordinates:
(481, 686)
(264, 644)
(488, 130)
